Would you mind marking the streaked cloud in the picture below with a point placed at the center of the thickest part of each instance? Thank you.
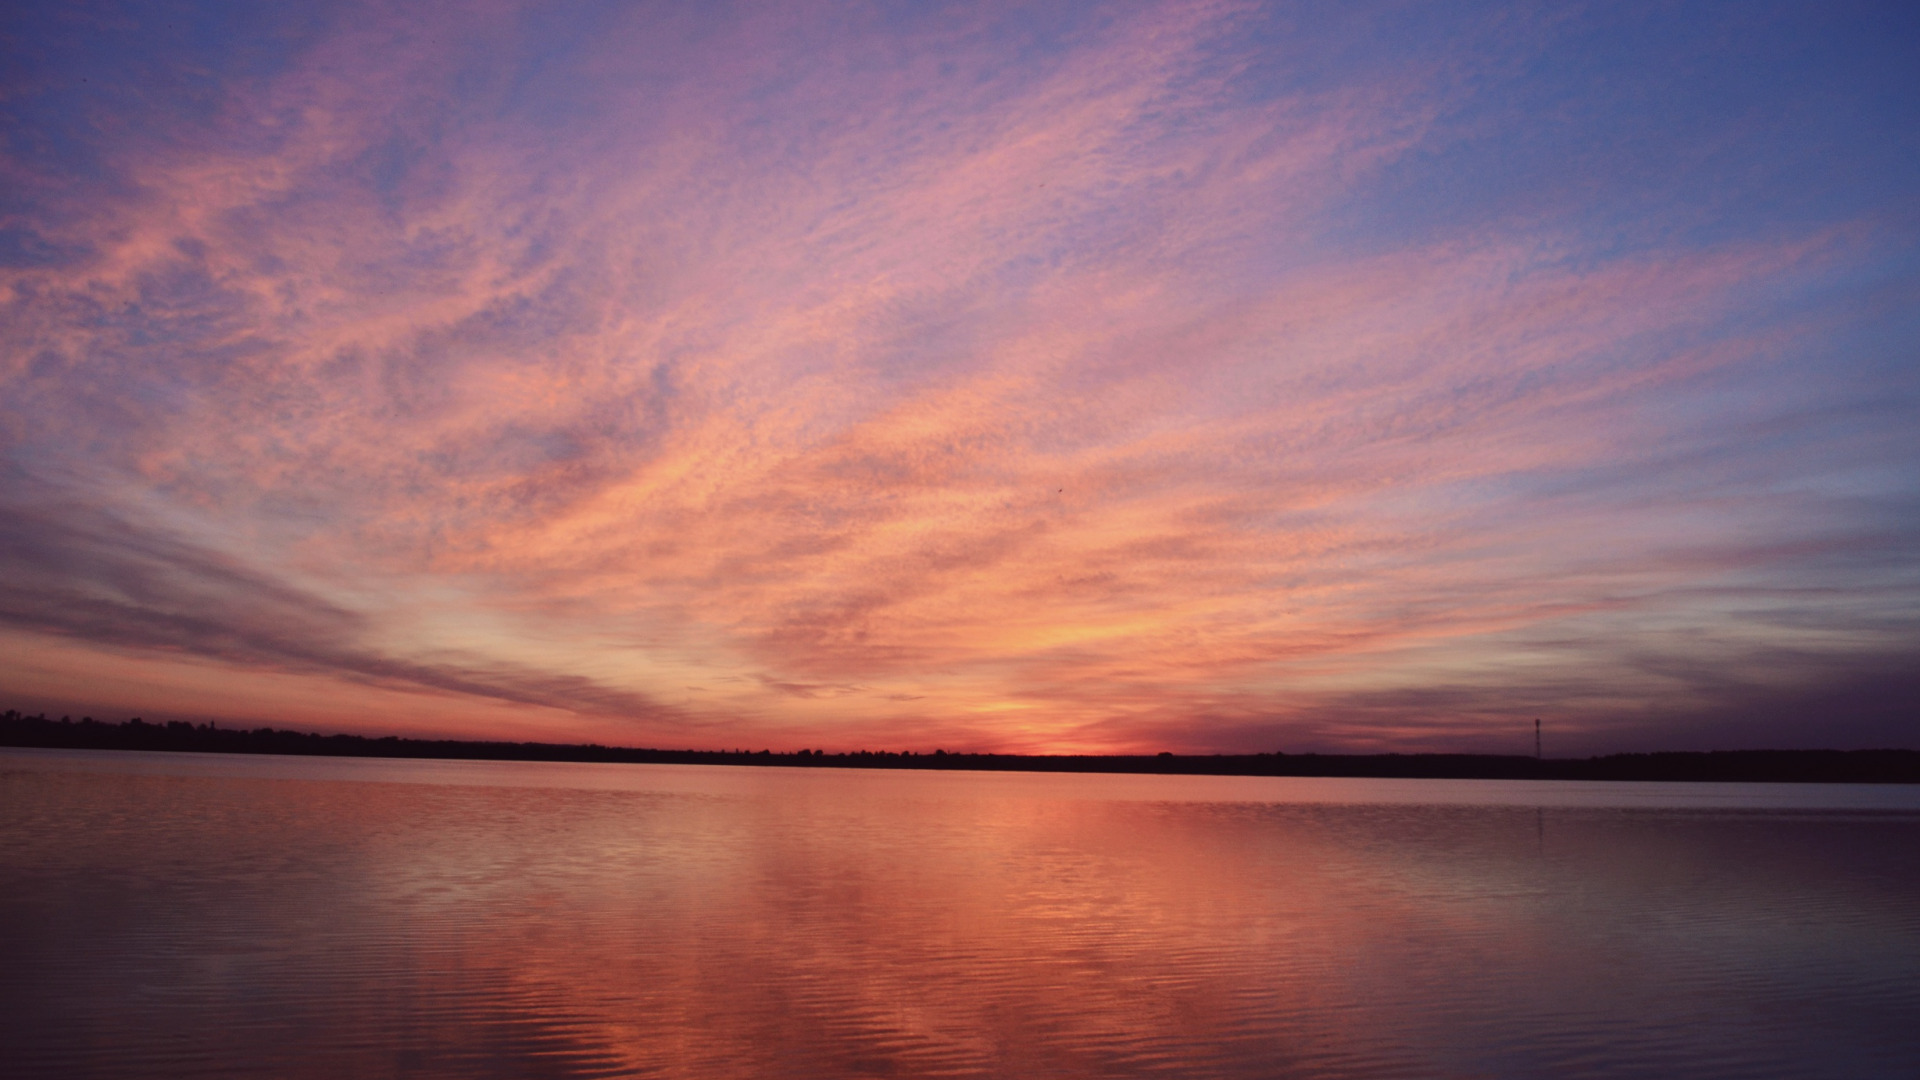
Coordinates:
(1115, 377)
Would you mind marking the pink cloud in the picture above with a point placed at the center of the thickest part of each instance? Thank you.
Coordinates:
(875, 386)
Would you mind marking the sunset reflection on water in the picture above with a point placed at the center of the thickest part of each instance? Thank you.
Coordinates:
(183, 916)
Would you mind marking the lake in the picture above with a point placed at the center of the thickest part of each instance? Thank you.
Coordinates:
(184, 915)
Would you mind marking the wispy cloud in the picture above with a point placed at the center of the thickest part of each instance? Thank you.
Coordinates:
(1115, 377)
(80, 573)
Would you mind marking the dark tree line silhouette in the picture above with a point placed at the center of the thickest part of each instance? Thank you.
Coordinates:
(1816, 766)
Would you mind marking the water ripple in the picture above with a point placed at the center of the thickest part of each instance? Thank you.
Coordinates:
(214, 922)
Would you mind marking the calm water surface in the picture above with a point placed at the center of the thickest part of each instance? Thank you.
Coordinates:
(185, 915)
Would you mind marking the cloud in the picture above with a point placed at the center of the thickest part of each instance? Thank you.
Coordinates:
(77, 572)
(1077, 377)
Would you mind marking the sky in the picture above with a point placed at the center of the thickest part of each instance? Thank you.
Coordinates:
(1206, 377)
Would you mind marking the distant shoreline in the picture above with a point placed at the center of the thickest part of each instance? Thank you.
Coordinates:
(1749, 766)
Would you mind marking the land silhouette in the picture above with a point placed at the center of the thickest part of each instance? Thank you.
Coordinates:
(1793, 766)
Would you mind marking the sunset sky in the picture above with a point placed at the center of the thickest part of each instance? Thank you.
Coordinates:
(1205, 377)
